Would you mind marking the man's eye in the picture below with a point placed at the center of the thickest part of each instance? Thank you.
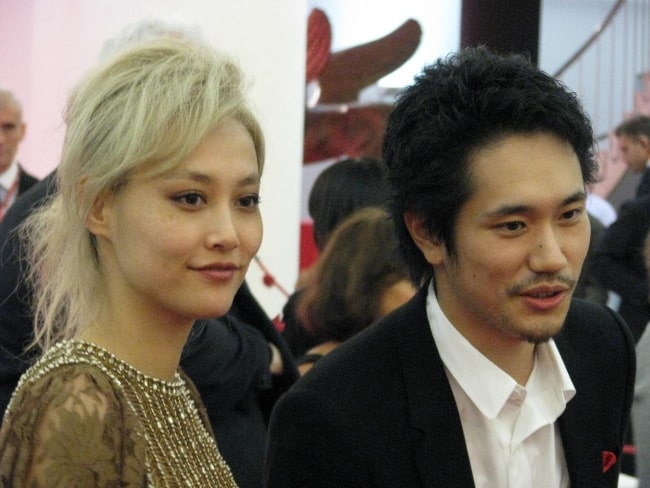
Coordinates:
(512, 226)
(572, 214)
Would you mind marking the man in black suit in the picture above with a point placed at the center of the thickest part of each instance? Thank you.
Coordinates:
(492, 375)
(14, 180)
(618, 261)
(633, 139)
(619, 266)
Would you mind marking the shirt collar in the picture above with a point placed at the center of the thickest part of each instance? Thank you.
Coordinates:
(8, 177)
(550, 385)
(491, 389)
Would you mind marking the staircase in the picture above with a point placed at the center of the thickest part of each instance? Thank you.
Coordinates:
(610, 73)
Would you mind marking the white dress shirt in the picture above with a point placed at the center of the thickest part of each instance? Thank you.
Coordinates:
(6, 180)
(510, 431)
(601, 209)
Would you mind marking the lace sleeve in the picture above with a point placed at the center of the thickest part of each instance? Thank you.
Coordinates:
(70, 429)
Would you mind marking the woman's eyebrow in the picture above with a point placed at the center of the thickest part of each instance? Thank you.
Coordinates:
(199, 177)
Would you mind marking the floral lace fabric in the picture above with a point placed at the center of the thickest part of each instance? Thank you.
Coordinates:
(70, 425)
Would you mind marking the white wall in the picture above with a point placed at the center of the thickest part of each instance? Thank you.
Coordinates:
(45, 45)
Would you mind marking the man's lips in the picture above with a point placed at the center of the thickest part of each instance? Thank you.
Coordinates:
(544, 298)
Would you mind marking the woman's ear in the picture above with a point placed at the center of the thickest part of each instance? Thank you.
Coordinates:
(431, 247)
(98, 219)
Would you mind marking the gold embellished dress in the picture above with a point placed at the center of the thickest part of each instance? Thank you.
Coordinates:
(80, 417)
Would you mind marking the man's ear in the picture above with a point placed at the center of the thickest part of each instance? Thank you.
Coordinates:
(23, 130)
(98, 220)
(431, 247)
(645, 142)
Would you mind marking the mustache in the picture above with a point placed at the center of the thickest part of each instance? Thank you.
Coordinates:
(542, 279)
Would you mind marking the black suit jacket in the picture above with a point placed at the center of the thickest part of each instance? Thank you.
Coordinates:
(618, 262)
(25, 181)
(15, 314)
(644, 184)
(379, 410)
(228, 361)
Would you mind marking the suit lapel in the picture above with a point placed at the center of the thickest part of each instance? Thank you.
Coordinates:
(438, 440)
(581, 423)
(573, 418)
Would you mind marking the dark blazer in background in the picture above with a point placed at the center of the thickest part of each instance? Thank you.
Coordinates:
(15, 316)
(228, 360)
(25, 181)
(644, 184)
(618, 262)
(379, 411)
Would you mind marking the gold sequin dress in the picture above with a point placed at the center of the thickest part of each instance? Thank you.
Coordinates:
(80, 417)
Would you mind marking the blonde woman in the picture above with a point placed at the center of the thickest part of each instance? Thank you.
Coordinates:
(154, 224)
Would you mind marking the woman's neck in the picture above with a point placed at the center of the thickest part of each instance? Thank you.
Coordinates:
(155, 351)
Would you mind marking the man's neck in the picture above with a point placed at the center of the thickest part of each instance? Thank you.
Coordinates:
(514, 356)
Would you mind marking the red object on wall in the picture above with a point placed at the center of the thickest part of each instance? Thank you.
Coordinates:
(319, 43)
(337, 125)
(308, 249)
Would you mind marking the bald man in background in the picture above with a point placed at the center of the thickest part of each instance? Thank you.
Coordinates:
(14, 180)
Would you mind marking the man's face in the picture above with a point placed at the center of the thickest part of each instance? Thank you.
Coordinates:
(635, 151)
(12, 131)
(521, 239)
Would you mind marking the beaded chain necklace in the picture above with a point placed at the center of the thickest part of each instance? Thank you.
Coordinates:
(179, 447)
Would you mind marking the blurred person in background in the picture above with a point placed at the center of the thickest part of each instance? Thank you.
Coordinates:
(359, 278)
(339, 190)
(14, 180)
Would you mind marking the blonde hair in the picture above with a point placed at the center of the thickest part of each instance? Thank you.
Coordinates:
(146, 109)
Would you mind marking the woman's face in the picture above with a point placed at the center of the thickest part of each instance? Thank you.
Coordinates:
(178, 245)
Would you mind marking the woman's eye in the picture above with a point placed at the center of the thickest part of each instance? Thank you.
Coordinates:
(250, 201)
(190, 199)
